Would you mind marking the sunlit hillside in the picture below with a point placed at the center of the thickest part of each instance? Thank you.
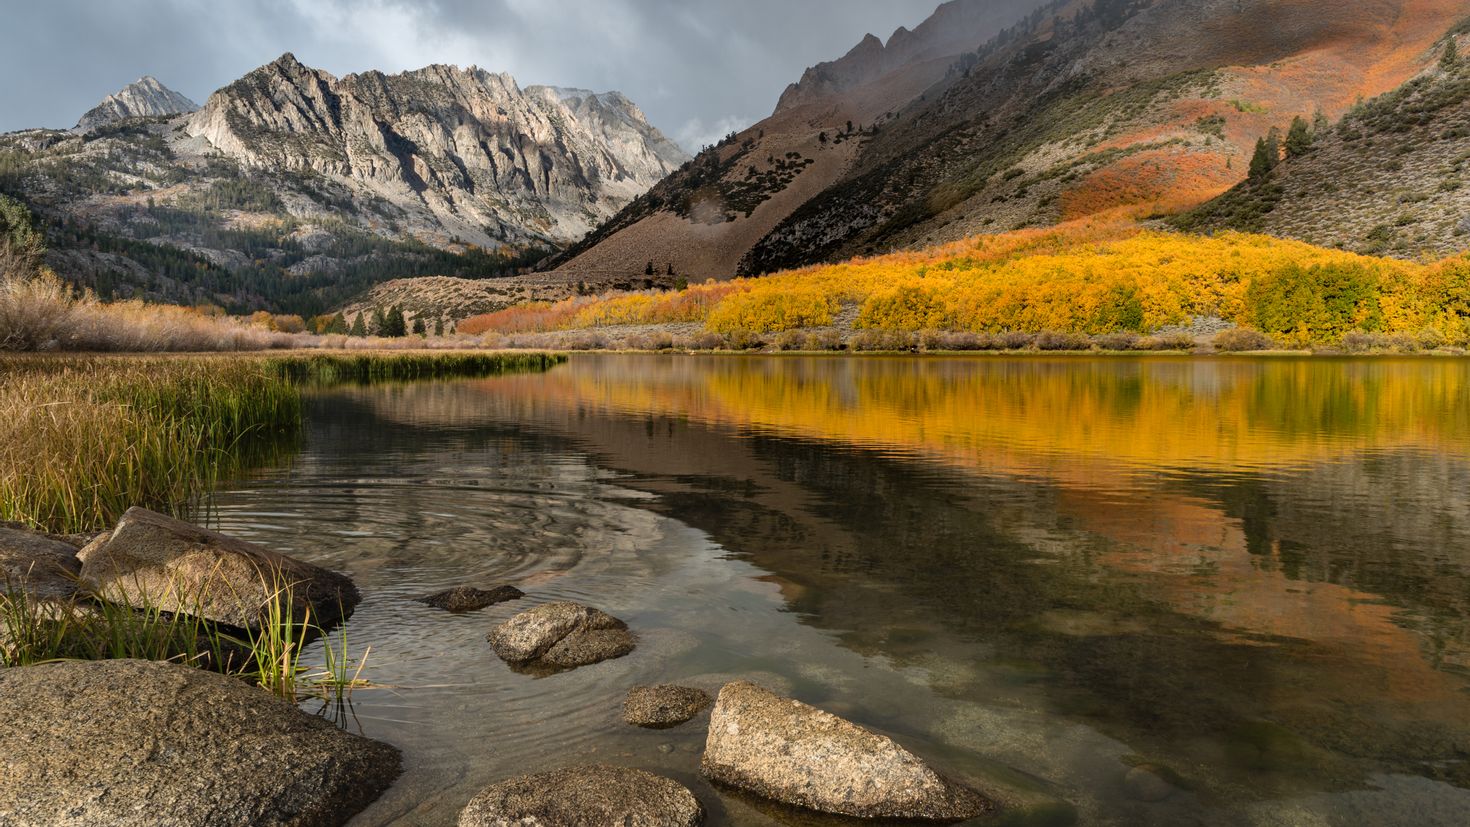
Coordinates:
(1080, 278)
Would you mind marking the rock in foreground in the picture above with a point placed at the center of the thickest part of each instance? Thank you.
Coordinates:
(598, 794)
(469, 599)
(561, 636)
(154, 561)
(128, 743)
(660, 707)
(789, 752)
(37, 565)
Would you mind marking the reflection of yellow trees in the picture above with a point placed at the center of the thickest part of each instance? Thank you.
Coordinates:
(1035, 415)
(1083, 278)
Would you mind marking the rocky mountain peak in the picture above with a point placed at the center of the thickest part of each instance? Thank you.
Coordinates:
(144, 97)
(464, 150)
(955, 27)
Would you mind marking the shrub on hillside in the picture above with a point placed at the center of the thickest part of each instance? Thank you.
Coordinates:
(1055, 341)
(1360, 342)
(956, 341)
(885, 341)
(1117, 341)
(818, 340)
(655, 340)
(743, 340)
(700, 341)
(1014, 340)
(1320, 303)
(790, 340)
(1241, 340)
(1167, 341)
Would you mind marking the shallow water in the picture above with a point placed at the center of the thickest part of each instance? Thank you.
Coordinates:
(1251, 576)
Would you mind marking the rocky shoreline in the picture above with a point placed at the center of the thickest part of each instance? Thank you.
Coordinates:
(135, 741)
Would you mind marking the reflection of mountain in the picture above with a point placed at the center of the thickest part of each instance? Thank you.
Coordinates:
(1271, 597)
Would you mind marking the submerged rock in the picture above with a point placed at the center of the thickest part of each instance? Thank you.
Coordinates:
(469, 599)
(37, 565)
(1147, 783)
(597, 794)
(561, 636)
(795, 754)
(129, 742)
(153, 561)
(659, 707)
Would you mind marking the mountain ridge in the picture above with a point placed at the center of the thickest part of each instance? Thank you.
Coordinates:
(1110, 108)
(144, 97)
(294, 190)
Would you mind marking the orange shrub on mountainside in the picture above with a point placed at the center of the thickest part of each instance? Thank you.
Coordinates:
(1149, 183)
(1083, 278)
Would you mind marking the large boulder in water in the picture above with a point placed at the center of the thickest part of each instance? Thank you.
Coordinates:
(789, 752)
(37, 565)
(127, 743)
(561, 636)
(576, 796)
(157, 562)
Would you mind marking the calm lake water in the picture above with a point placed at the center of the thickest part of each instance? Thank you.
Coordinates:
(1250, 576)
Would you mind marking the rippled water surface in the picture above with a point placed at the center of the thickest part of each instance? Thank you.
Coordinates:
(1251, 577)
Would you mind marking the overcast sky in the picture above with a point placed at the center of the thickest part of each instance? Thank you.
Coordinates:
(698, 68)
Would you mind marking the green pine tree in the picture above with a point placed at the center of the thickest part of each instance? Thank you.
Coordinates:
(359, 328)
(338, 325)
(1450, 60)
(380, 323)
(1299, 138)
(439, 326)
(397, 326)
(418, 327)
(1267, 155)
(18, 231)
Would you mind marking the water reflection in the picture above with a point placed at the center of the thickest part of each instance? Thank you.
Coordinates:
(1249, 575)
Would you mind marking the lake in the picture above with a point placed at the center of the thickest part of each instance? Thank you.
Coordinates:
(1249, 577)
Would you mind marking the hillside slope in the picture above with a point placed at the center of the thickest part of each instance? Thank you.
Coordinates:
(704, 218)
(293, 190)
(1389, 179)
(1124, 108)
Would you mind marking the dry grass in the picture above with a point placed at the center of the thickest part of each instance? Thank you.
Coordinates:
(82, 439)
(39, 312)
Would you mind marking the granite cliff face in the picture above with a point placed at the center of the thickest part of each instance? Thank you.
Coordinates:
(143, 98)
(467, 149)
(295, 191)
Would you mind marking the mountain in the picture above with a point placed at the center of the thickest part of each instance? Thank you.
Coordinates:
(143, 98)
(1389, 179)
(1112, 108)
(704, 218)
(294, 190)
(463, 152)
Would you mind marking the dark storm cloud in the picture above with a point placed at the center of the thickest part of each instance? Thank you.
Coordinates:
(697, 67)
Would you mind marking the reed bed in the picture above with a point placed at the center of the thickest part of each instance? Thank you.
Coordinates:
(368, 368)
(82, 439)
(36, 631)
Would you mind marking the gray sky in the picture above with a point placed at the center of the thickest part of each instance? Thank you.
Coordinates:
(698, 68)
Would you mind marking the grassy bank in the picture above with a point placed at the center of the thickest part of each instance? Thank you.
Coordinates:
(82, 439)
